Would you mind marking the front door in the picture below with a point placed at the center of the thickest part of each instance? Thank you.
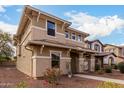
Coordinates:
(74, 62)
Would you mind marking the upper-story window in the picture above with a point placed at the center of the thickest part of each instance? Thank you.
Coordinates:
(66, 34)
(79, 38)
(88, 46)
(97, 47)
(111, 50)
(73, 36)
(50, 28)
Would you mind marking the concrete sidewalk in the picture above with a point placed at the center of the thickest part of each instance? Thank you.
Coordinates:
(100, 78)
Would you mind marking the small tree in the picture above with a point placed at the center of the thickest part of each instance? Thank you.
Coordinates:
(52, 76)
(6, 49)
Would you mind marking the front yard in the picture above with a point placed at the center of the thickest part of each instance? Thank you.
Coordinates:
(10, 77)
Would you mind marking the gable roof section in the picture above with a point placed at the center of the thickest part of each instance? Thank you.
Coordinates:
(28, 9)
(95, 41)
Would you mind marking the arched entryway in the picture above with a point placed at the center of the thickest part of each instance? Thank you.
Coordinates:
(110, 61)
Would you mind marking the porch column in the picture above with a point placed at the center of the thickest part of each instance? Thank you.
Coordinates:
(81, 62)
(68, 62)
(92, 63)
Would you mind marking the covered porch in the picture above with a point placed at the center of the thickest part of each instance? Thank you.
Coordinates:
(82, 62)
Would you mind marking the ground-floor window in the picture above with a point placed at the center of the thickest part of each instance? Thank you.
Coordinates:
(55, 59)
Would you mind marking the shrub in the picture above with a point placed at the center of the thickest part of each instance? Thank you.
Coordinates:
(109, 85)
(108, 69)
(101, 71)
(97, 67)
(115, 66)
(21, 84)
(121, 67)
(52, 76)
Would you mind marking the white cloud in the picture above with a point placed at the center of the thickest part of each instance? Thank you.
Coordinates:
(96, 26)
(6, 17)
(2, 9)
(8, 27)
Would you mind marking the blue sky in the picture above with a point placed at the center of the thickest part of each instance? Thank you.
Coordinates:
(102, 22)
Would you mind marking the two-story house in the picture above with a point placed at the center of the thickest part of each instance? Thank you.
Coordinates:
(118, 50)
(45, 41)
(102, 58)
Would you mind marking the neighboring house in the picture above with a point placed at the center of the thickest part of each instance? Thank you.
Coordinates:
(102, 58)
(118, 50)
(46, 41)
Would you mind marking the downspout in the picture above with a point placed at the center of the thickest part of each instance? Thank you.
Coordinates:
(31, 59)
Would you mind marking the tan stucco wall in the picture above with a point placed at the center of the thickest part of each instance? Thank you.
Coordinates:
(42, 23)
(118, 59)
(40, 65)
(24, 60)
(40, 32)
(111, 47)
(41, 62)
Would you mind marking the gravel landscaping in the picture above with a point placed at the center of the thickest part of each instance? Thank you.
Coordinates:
(10, 77)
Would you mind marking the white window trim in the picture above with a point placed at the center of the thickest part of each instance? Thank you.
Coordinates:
(73, 34)
(78, 39)
(68, 35)
(74, 40)
(55, 51)
(55, 29)
(35, 57)
(51, 56)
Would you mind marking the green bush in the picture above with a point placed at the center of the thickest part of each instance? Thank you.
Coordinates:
(115, 66)
(108, 69)
(97, 67)
(109, 85)
(21, 84)
(121, 67)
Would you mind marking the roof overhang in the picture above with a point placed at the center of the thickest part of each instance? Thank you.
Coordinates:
(105, 54)
(28, 10)
(95, 41)
(42, 42)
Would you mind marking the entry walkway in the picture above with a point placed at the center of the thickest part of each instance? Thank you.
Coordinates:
(100, 78)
